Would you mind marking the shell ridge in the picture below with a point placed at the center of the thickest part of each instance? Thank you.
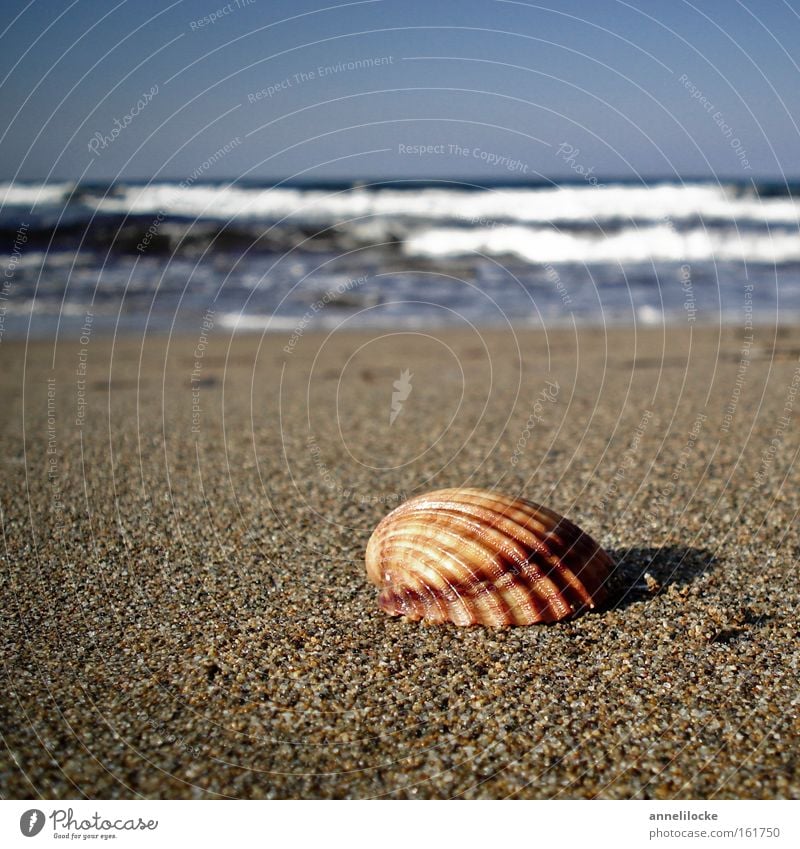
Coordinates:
(457, 589)
(544, 564)
(500, 548)
(537, 590)
(480, 583)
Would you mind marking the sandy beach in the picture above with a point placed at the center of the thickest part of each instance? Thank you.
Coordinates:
(185, 610)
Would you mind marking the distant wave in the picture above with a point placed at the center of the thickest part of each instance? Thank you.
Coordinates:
(568, 203)
(614, 223)
(630, 245)
(31, 195)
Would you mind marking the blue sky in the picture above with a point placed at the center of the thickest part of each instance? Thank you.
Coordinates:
(560, 89)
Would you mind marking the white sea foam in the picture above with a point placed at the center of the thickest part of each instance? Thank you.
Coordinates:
(630, 245)
(254, 321)
(672, 202)
(648, 314)
(271, 323)
(526, 205)
(32, 195)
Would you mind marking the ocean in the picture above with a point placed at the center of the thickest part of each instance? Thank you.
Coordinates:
(156, 257)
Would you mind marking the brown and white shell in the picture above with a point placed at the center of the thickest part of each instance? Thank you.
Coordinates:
(477, 557)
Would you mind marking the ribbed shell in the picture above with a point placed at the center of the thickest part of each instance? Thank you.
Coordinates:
(473, 556)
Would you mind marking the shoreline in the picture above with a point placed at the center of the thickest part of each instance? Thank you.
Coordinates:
(786, 324)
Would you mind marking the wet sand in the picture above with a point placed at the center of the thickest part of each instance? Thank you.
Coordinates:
(185, 610)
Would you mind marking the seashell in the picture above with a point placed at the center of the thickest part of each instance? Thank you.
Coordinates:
(477, 557)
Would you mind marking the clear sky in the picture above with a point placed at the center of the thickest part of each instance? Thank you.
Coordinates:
(709, 88)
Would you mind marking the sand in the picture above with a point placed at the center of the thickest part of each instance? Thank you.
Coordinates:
(185, 611)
